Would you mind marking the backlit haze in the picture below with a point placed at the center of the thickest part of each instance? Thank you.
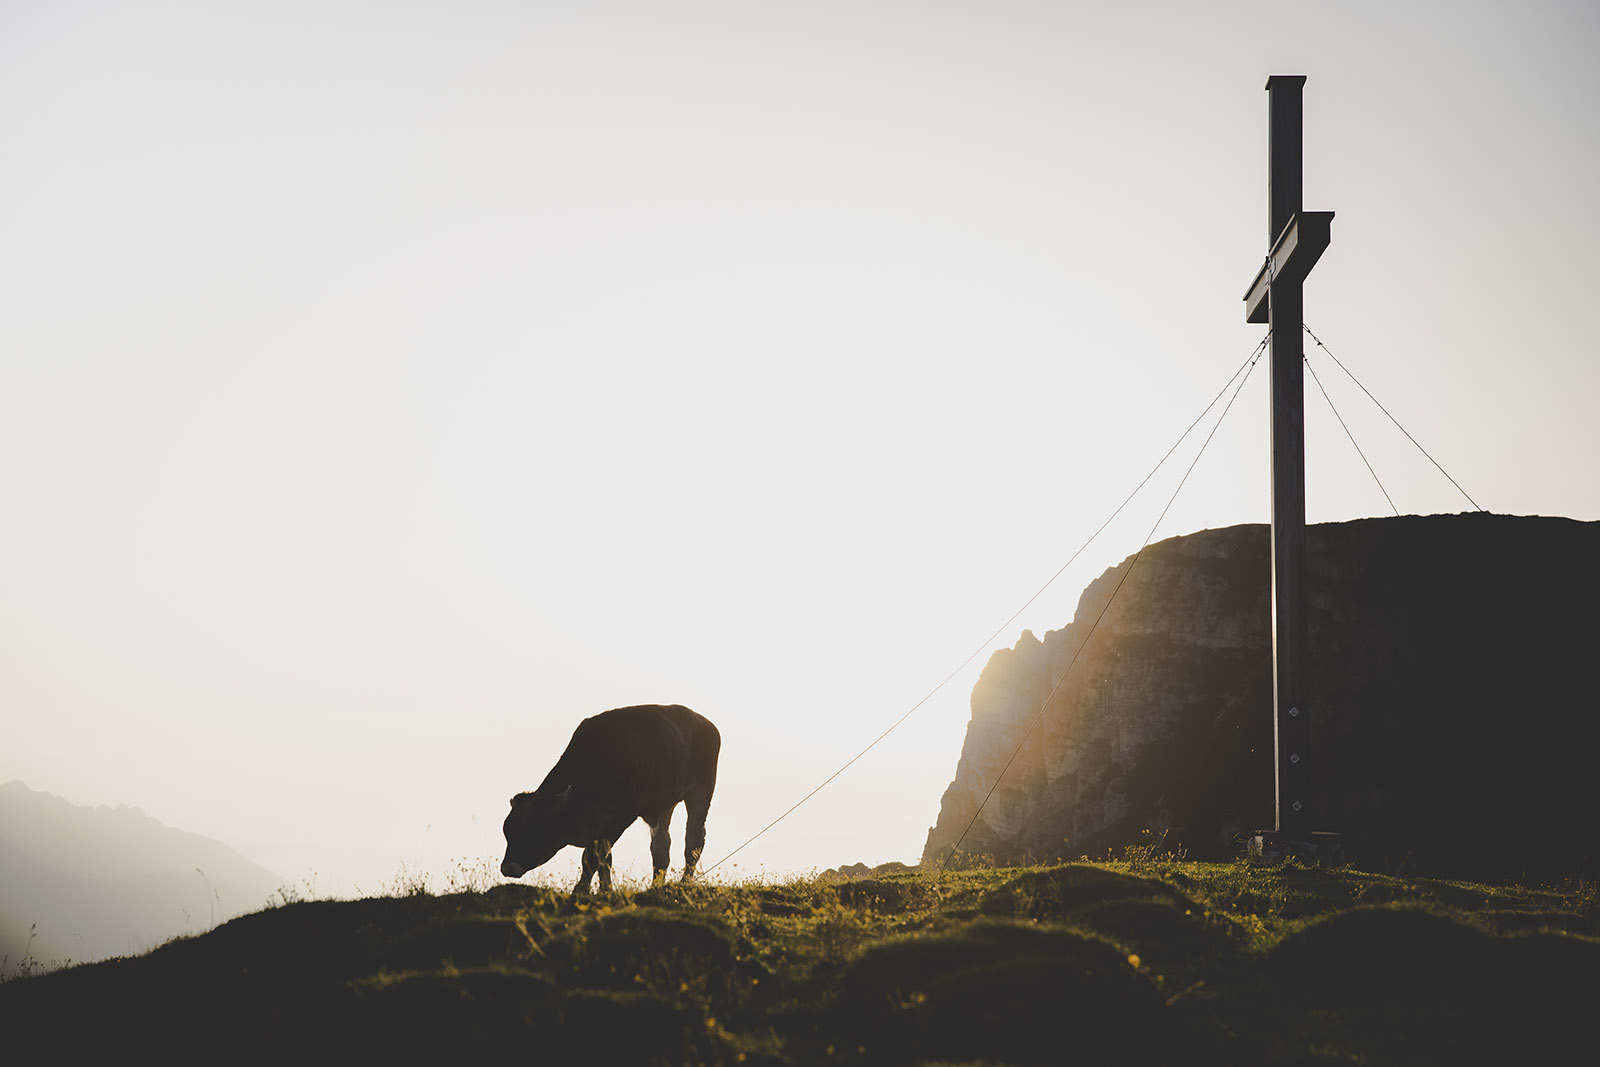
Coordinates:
(384, 387)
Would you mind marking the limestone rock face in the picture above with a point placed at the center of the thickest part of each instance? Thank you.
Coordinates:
(1454, 710)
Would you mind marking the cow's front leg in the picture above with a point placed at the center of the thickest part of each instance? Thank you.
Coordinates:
(591, 860)
(660, 846)
(597, 857)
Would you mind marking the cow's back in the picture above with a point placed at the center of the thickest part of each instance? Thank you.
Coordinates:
(647, 756)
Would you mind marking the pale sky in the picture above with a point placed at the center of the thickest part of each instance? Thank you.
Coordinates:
(385, 387)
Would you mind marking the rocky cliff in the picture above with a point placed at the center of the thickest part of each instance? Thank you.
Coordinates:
(1454, 710)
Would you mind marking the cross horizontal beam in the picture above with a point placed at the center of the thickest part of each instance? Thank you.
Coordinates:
(1294, 253)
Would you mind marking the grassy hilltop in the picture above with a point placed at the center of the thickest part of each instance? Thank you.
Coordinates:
(1145, 960)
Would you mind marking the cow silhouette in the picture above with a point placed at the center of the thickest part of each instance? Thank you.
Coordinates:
(621, 765)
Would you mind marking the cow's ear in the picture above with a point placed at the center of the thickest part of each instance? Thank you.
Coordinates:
(564, 796)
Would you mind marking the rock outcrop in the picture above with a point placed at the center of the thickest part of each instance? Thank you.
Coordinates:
(1454, 712)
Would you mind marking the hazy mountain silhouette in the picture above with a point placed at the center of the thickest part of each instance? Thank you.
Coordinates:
(98, 882)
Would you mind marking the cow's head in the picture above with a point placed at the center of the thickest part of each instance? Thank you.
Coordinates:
(535, 830)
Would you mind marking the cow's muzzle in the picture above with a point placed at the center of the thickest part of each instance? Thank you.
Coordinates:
(512, 870)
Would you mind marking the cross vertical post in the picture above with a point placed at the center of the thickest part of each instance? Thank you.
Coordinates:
(1296, 239)
(1286, 302)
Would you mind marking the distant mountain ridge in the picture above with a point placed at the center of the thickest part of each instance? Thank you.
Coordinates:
(98, 882)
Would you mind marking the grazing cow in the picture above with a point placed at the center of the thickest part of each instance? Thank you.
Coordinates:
(621, 765)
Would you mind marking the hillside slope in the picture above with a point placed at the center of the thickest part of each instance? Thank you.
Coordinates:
(1143, 961)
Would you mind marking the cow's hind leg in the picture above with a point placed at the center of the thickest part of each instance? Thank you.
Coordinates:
(703, 750)
(697, 803)
(660, 846)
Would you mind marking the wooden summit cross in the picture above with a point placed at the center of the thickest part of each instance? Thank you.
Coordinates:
(1298, 238)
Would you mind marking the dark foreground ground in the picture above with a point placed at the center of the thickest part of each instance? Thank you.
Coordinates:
(1144, 961)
